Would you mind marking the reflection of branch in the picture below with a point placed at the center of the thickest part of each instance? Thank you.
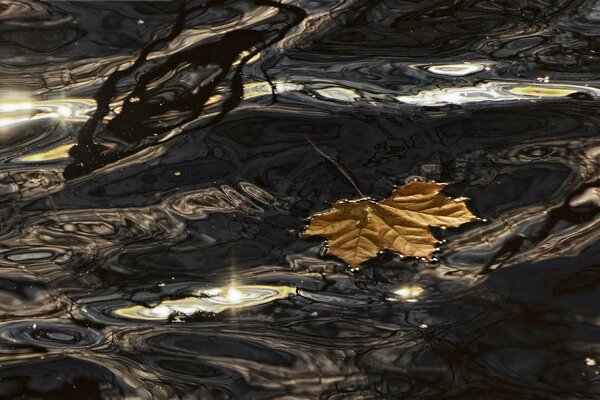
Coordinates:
(105, 93)
(132, 123)
(237, 87)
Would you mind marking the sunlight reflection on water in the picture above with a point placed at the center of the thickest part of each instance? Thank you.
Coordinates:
(214, 300)
(17, 112)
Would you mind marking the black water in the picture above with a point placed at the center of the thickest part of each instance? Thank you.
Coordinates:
(157, 171)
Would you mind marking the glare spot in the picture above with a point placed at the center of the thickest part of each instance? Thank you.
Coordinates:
(590, 362)
(56, 153)
(161, 311)
(456, 69)
(409, 293)
(12, 107)
(21, 111)
(64, 111)
(234, 295)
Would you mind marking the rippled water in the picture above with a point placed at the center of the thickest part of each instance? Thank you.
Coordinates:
(157, 169)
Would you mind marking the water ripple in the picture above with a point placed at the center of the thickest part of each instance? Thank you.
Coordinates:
(159, 164)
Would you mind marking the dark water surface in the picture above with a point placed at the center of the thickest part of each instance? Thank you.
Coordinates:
(156, 173)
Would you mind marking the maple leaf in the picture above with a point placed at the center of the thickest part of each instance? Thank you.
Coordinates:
(356, 230)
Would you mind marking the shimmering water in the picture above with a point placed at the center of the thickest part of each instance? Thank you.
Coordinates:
(157, 169)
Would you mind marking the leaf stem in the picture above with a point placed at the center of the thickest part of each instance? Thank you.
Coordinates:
(336, 165)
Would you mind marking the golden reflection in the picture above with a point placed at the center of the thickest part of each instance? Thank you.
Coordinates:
(409, 293)
(456, 69)
(590, 362)
(494, 92)
(55, 153)
(258, 89)
(252, 59)
(233, 295)
(21, 111)
(214, 99)
(540, 91)
(338, 93)
(214, 300)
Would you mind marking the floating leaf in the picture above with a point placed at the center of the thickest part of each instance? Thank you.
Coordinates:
(357, 230)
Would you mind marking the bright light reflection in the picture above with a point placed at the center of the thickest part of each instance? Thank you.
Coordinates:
(590, 362)
(214, 300)
(456, 69)
(258, 89)
(18, 112)
(234, 295)
(55, 153)
(338, 93)
(409, 293)
(64, 112)
(494, 92)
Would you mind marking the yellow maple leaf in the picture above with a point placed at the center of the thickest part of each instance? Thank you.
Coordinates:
(356, 230)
